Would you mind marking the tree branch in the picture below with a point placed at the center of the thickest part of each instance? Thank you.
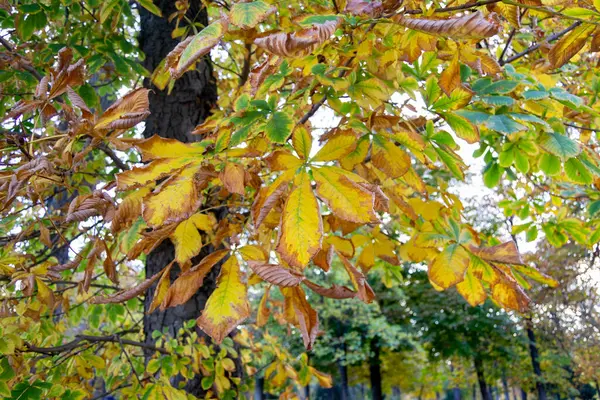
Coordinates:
(116, 338)
(536, 46)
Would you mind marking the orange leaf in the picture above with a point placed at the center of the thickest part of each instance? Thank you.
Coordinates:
(276, 274)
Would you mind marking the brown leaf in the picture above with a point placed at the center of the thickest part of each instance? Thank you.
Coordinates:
(128, 294)
(468, 26)
(45, 235)
(364, 8)
(364, 291)
(276, 274)
(505, 253)
(334, 292)
(268, 197)
(232, 177)
(299, 43)
(162, 288)
(260, 73)
(126, 112)
(188, 283)
(262, 316)
(298, 312)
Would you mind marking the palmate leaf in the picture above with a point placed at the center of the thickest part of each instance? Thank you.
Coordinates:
(559, 145)
(189, 52)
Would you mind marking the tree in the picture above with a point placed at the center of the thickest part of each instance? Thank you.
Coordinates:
(263, 195)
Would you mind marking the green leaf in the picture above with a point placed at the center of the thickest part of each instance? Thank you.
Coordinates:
(566, 98)
(535, 95)
(492, 175)
(531, 234)
(279, 127)
(593, 208)
(577, 172)
(248, 15)
(500, 87)
(150, 6)
(503, 124)
(550, 164)
(521, 162)
(475, 117)
(559, 145)
(498, 100)
(462, 127)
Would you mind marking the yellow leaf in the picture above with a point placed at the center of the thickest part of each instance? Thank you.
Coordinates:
(268, 196)
(336, 147)
(510, 296)
(357, 155)
(471, 289)
(323, 379)
(301, 227)
(126, 112)
(345, 198)
(175, 199)
(162, 288)
(186, 238)
(44, 293)
(228, 305)
(140, 176)
(302, 142)
(388, 157)
(158, 147)
(450, 77)
(282, 160)
(449, 267)
(569, 45)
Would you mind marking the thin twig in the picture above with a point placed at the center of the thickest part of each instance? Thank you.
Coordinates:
(537, 45)
(507, 45)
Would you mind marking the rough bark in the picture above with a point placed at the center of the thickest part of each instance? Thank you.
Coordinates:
(485, 394)
(174, 116)
(535, 360)
(375, 370)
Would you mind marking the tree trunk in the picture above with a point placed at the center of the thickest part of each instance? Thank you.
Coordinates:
(474, 392)
(174, 116)
(456, 393)
(535, 359)
(375, 370)
(396, 393)
(485, 394)
(505, 385)
(597, 389)
(259, 388)
(343, 369)
(523, 394)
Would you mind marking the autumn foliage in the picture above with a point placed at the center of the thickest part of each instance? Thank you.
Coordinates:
(285, 203)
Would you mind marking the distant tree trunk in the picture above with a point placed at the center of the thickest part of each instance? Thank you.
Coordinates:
(485, 394)
(259, 388)
(375, 370)
(456, 393)
(597, 389)
(175, 116)
(535, 359)
(397, 393)
(523, 394)
(514, 392)
(505, 385)
(474, 392)
(343, 369)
